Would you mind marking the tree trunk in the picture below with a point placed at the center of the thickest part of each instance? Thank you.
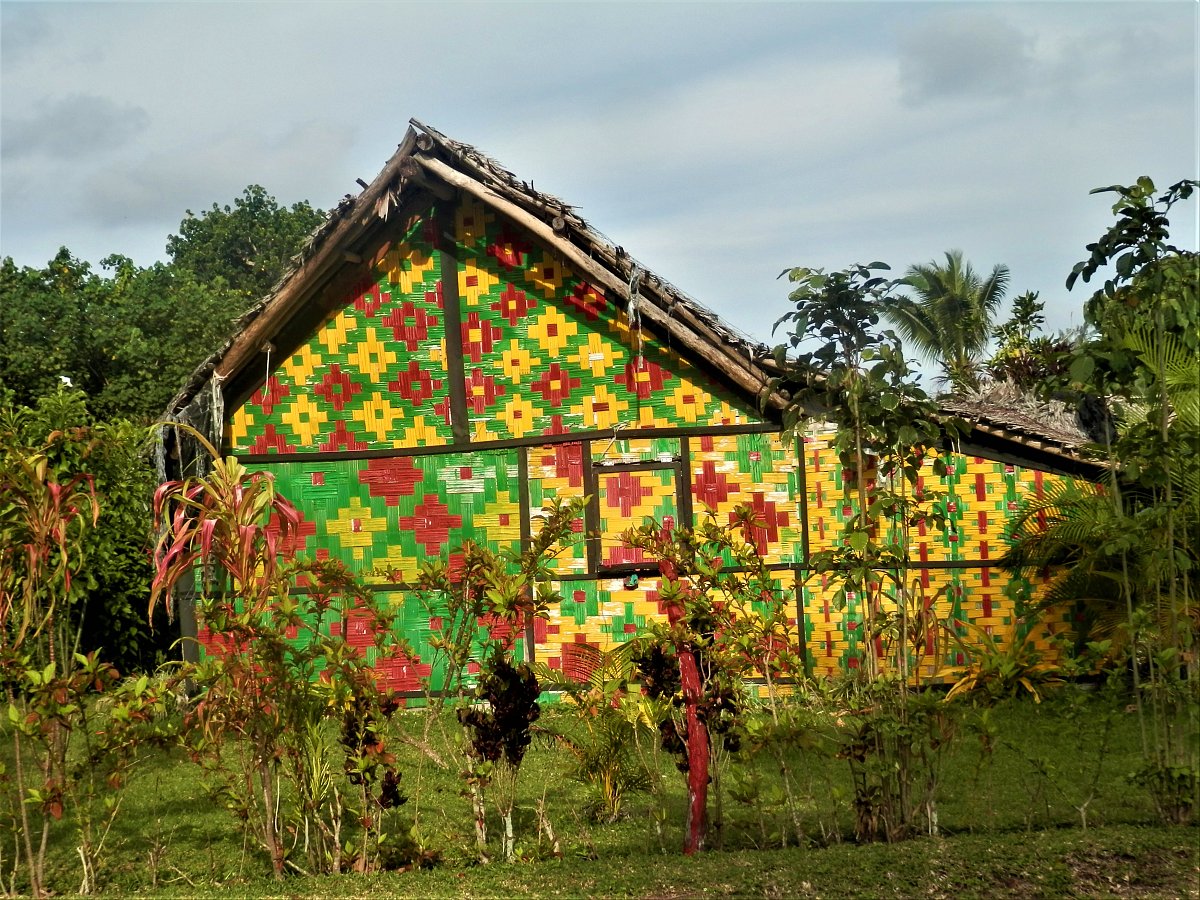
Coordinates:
(35, 881)
(270, 834)
(697, 730)
(697, 753)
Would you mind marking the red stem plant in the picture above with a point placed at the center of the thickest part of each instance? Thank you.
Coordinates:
(278, 671)
(712, 580)
(41, 523)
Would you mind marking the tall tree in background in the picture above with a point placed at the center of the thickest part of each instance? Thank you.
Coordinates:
(950, 319)
(104, 604)
(129, 337)
(1032, 362)
(248, 244)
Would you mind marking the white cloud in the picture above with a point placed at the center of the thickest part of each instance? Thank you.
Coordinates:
(717, 142)
(23, 27)
(73, 128)
(965, 53)
(161, 186)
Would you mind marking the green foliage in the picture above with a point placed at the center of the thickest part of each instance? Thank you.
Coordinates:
(1103, 559)
(270, 697)
(461, 600)
(1029, 360)
(485, 588)
(87, 748)
(44, 515)
(282, 671)
(998, 671)
(128, 341)
(858, 376)
(730, 613)
(726, 621)
(892, 737)
(886, 429)
(106, 602)
(501, 729)
(248, 245)
(612, 727)
(515, 587)
(950, 321)
(895, 742)
(129, 338)
(1144, 357)
(1016, 819)
(1153, 287)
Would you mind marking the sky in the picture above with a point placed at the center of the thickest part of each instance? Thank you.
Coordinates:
(719, 143)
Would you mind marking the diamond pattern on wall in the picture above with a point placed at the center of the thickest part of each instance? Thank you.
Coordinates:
(557, 471)
(538, 330)
(383, 517)
(388, 332)
(547, 353)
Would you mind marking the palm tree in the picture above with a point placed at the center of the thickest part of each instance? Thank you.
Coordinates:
(950, 319)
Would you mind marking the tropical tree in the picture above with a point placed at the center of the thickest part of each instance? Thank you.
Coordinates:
(1142, 551)
(248, 244)
(127, 337)
(103, 606)
(950, 318)
(1034, 363)
(886, 430)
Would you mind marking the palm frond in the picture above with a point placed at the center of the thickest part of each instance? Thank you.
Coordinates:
(950, 318)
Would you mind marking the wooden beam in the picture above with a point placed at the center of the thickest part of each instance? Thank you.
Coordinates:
(314, 271)
(736, 370)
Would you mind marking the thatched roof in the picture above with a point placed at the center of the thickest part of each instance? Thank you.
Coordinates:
(1002, 406)
(1002, 412)
(428, 165)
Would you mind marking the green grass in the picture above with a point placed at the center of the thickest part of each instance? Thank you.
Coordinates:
(1009, 825)
(1113, 861)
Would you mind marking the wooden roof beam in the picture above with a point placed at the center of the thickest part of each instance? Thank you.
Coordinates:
(738, 371)
(314, 271)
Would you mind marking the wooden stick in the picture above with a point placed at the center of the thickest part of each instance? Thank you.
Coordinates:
(737, 370)
(328, 257)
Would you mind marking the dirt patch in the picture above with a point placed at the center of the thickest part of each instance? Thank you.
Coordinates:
(1155, 873)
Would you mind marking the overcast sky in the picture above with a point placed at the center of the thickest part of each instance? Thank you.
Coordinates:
(718, 143)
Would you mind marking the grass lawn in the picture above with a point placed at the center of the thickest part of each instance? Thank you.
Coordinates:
(1010, 825)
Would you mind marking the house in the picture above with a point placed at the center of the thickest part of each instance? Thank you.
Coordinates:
(453, 347)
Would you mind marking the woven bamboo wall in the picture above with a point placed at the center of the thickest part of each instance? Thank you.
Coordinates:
(358, 427)
(374, 373)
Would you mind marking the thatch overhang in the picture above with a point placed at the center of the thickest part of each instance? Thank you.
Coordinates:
(1009, 425)
(428, 166)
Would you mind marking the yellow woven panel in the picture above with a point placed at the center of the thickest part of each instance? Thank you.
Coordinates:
(755, 470)
(984, 597)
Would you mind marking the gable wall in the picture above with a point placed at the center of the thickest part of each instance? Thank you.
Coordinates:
(472, 376)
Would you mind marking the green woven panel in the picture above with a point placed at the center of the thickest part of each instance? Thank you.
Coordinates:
(418, 621)
(383, 517)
